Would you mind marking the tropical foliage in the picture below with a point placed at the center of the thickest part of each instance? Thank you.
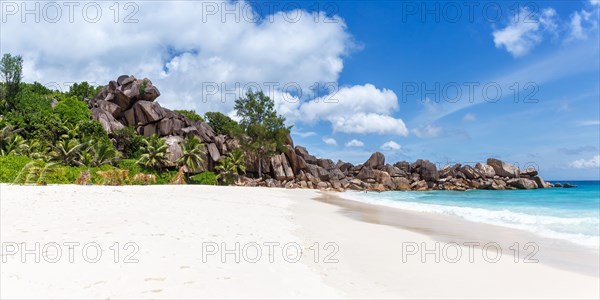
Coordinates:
(154, 153)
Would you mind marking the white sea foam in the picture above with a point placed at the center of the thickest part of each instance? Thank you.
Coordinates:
(580, 230)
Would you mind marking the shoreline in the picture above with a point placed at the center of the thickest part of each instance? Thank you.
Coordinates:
(170, 225)
(452, 229)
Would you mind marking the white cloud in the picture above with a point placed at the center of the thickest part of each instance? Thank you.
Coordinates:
(357, 109)
(304, 134)
(469, 117)
(200, 62)
(583, 164)
(427, 131)
(595, 2)
(355, 143)
(390, 146)
(525, 30)
(330, 141)
(183, 54)
(589, 123)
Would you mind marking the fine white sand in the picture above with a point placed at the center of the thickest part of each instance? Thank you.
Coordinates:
(170, 225)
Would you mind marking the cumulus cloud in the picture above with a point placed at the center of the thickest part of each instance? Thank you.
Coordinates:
(583, 22)
(427, 131)
(584, 164)
(355, 143)
(525, 31)
(205, 61)
(357, 109)
(185, 50)
(330, 141)
(304, 134)
(390, 146)
(469, 117)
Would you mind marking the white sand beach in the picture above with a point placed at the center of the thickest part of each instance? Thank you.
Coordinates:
(172, 232)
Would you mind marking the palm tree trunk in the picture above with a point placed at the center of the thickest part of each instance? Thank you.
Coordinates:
(259, 168)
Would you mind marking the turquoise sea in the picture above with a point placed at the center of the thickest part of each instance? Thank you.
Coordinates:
(565, 213)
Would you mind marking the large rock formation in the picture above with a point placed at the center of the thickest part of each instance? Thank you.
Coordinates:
(132, 102)
(503, 169)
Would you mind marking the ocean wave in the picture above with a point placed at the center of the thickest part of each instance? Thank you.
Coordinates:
(580, 230)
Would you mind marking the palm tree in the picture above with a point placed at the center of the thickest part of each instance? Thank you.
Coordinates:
(155, 153)
(231, 165)
(68, 152)
(227, 170)
(37, 150)
(14, 145)
(11, 143)
(34, 172)
(192, 149)
(104, 153)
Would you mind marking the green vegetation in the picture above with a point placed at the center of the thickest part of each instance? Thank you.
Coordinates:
(128, 142)
(155, 153)
(83, 91)
(11, 68)
(263, 131)
(49, 137)
(231, 165)
(205, 178)
(190, 114)
(222, 124)
(72, 111)
(192, 150)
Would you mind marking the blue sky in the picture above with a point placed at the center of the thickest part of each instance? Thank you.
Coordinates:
(392, 71)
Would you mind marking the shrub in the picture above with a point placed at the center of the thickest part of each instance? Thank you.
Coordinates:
(205, 178)
(10, 166)
(190, 114)
(72, 111)
(222, 124)
(128, 142)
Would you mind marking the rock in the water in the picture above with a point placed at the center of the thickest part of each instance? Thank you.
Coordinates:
(529, 172)
(470, 172)
(522, 183)
(365, 173)
(401, 183)
(503, 169)
(420, 185)
(404, 166)
(541, 183)
(449, 170)
(385, 179)
(485, 170)
(376, 160)
(568, 185)
(426, 169)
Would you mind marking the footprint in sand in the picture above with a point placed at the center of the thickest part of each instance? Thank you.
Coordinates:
(184, 267)
(189, 282)
(152, 291)
(154, 279)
